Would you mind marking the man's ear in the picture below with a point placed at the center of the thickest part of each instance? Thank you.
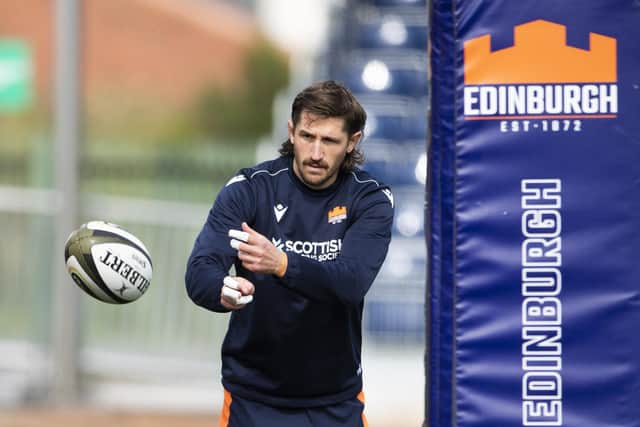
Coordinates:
(290, 129)
(353, 141)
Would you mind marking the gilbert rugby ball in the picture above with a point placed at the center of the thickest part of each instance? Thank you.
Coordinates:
(108, 263)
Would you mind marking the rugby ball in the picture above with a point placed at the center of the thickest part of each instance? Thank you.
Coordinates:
(108, 263)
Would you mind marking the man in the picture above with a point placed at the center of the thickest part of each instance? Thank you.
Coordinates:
(307, 233)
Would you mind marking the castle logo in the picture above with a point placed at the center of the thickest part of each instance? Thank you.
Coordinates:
(337, 214)
(540, 77)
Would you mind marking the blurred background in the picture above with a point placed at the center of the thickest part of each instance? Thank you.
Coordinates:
(137, 112)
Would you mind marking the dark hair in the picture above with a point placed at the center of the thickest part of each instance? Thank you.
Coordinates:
(330, 99)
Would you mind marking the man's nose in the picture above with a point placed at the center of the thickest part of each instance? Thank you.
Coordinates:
(316, 150)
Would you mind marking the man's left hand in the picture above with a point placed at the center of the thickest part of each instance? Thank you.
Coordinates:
(256, 252)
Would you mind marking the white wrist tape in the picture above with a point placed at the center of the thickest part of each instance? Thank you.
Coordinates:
(230, 282)
(230, 290)
(239, 235)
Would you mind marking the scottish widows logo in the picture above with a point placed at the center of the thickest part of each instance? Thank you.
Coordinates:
(541, 78)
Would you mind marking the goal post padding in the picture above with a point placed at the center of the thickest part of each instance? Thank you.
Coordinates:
(533, 296)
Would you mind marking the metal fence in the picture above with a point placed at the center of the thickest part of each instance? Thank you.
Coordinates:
(164, 322)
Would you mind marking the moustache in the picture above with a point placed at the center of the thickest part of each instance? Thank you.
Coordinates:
(315, 164)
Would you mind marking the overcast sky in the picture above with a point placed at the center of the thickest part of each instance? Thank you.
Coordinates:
(298, 26)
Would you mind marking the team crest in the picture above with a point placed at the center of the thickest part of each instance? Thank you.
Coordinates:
(337, 214)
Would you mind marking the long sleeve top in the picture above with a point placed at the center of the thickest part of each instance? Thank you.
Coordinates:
(298, 344)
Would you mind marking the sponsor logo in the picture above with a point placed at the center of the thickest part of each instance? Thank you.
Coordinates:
(320, 251)
(279, 210)
(126, 271)
(540, 79)
(337, 214)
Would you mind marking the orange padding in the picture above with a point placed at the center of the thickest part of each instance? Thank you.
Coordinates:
(226, 410)
(364, 418)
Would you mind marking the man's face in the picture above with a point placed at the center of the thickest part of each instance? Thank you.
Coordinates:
(319, 148)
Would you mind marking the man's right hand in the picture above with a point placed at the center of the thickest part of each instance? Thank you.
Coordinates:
(236, 293)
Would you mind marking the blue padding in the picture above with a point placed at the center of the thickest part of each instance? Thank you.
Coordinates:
(440, 221)
(534, 225)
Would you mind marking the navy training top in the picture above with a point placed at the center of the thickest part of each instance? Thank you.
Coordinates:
(298, 343)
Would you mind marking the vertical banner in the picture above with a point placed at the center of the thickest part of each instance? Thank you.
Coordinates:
(534, 190)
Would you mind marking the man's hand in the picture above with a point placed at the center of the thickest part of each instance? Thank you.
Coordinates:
(236, 293)
(257, 253)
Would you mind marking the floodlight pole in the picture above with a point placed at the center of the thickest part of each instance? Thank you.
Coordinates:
(65, 333)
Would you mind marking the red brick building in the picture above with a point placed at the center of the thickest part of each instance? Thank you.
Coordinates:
(163, 50)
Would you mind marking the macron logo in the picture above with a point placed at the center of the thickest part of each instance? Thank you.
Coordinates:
(279, 210)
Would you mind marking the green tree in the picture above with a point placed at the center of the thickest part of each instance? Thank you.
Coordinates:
(244, 113)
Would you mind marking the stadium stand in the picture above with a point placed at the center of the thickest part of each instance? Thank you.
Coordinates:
(379, 50)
